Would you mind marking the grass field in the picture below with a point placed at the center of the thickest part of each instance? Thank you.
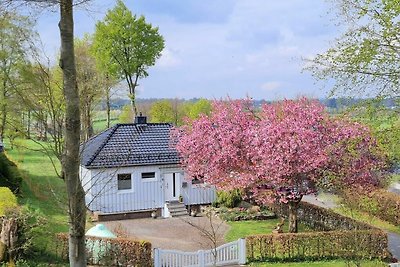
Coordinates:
(245, 228)
(41, 190)
(100, 120)
(101, 125)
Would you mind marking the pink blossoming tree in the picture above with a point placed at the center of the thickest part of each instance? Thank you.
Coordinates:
(284, 151)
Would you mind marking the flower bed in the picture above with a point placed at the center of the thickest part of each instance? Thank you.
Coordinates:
(243, 214)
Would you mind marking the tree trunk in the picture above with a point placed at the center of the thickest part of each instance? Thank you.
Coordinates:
(45, 127)
(28, 130)
(8, 238)
(133, 103)
(108, 105)
(293, 216)
(3, 111)
(76, 195)
(87, 127)
(89, 122)
(3, 121)
(132, 93)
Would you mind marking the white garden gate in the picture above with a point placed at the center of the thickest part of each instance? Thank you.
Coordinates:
(227, 254)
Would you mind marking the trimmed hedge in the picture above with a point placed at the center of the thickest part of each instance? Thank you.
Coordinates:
(9, 174)
(7, 200)
(322, 219)
(360, 244)
(340, 237)
(111, 251)
(379, 203)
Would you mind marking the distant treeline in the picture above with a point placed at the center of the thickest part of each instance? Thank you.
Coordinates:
(331, 103)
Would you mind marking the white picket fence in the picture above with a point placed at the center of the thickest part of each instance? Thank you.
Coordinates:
(227, 254)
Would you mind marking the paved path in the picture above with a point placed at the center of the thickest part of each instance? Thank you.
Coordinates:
(172, 233)
(328, 201)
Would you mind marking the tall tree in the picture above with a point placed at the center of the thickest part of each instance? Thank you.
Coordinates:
(91, 84)
(126, 46)
(15, 38)
(365, 60)
(201, 106)
(76, 194)
(42, 95)
(70, 159)
(284, 152)
(163, 111)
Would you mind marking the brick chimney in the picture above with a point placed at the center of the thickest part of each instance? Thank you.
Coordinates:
(140, 119)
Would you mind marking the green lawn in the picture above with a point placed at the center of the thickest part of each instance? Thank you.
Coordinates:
(333, 263)
(245, 228)
(367, 218)
(41, 190)
(101, 125)
(100, 120)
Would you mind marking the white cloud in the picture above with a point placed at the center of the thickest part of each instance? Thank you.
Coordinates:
(271, 86)
(169, 58)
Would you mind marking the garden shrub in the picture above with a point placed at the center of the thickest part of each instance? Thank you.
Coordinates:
(7, 200)
(242, 214)
(321, 219)
(31, 226)
(228, 199)
(9, 174)
(114, 251)
(379, 203)
(358, 244)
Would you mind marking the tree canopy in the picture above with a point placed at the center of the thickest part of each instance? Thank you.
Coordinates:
(366, 58)
(126, 46)
(285, 151)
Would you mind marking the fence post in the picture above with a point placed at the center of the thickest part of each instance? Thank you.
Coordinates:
(242, 250)
(202, 261)
(157, 259)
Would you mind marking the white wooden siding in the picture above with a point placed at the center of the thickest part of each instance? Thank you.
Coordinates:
(198, 194)
(102, 194)
(85, 176)
(144, 194)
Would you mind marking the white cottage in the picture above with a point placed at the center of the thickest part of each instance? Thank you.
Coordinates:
(130, 170)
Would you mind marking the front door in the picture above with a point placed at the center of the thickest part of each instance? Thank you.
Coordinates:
(172, 186)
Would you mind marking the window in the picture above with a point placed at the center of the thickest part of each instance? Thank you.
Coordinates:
(124, 181)
(148, 175)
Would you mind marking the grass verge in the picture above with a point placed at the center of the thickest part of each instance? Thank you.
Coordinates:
(367, 218)
(242, 229)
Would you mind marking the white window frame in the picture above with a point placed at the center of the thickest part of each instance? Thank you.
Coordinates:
(125, 190)
(145, 180)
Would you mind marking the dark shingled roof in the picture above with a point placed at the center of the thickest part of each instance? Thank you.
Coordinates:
(130, 145)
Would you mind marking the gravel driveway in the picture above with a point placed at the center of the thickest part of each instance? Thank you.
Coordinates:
(172, 233)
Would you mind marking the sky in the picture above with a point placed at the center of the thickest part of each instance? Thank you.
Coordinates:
(222, 48)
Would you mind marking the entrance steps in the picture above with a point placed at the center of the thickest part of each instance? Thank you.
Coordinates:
(176, 208)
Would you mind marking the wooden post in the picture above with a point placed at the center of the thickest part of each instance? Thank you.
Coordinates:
(157, 260)
(8, 238)
(202, 261)
(242, 251)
